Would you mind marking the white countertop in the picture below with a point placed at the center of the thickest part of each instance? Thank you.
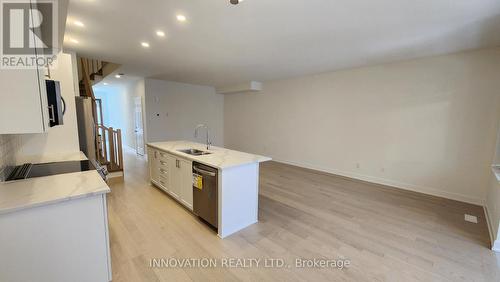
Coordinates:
(60, 157)
(220, 158)
(39, 191)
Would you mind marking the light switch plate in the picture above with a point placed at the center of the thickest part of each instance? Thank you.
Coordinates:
(470, 218)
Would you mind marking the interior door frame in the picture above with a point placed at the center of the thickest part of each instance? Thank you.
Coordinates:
(138, 101)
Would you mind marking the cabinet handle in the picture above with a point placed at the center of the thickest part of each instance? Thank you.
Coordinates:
(52, 115)
(163, 163)
(48, 72)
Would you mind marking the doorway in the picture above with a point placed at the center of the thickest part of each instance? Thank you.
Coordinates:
(139, 126)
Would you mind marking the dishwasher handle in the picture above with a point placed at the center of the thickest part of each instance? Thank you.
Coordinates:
(202, 171)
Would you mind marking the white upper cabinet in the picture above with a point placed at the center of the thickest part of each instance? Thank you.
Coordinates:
(23, 101)
(23, 106)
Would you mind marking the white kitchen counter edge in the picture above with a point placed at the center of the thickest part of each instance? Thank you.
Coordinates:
(214, 151)
(496, 171)
(20, 186)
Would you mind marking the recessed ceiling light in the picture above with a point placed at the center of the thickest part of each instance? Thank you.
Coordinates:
(79, 23)
(160, 33)
(105, 83)
(181, 18)
(74, 40)
(118, 76)
(145, 44)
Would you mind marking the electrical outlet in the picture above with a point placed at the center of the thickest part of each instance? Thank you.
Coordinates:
(470, 218)
(357, 165)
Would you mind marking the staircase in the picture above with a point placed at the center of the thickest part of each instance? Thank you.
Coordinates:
(109, 151)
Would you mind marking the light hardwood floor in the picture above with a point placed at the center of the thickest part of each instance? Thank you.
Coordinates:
(387, 234)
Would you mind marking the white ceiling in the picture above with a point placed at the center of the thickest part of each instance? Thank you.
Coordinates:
(221, 44)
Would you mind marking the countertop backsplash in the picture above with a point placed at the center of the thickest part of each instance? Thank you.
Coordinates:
(8, 148)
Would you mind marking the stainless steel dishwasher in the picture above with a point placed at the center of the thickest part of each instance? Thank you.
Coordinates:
(205, 201)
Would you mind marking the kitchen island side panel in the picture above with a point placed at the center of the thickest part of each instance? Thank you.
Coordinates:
(238, 198)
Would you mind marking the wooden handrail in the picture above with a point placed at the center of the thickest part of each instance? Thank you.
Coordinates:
(88, 86)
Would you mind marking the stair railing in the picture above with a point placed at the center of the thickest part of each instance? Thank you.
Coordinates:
(108, 141)
(110, 150)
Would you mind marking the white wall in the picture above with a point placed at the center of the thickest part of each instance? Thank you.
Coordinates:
(114, 107)
(493, 209)
(174, 109)
(8, 148)
(427, 125)
(496, 159)
(118, 106)
(60, 139)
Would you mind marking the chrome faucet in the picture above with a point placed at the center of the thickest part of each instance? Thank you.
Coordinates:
(209, 142)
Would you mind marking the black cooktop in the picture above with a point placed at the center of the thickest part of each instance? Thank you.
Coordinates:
(36, 170)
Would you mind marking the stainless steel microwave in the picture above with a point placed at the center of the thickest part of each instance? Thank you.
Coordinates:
(55, 101)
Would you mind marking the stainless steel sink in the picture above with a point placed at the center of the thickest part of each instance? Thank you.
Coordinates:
(194, 152)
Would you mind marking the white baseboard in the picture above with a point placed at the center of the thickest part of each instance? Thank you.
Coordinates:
(115, 174)
(488, 223)
(128, 148)
(496, 246)
(392, 183)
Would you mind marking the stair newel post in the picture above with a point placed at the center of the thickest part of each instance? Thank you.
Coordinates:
(104, 145)
(111, 140)
(119, 145)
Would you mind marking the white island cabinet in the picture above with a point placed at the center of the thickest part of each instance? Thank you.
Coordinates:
(237, 183)
(172, 174)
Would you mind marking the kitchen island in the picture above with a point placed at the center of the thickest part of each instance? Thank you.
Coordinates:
(171, 169)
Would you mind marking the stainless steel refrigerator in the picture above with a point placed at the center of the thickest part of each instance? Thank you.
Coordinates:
(86, 127)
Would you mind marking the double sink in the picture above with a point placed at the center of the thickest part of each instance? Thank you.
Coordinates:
(194, 152)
